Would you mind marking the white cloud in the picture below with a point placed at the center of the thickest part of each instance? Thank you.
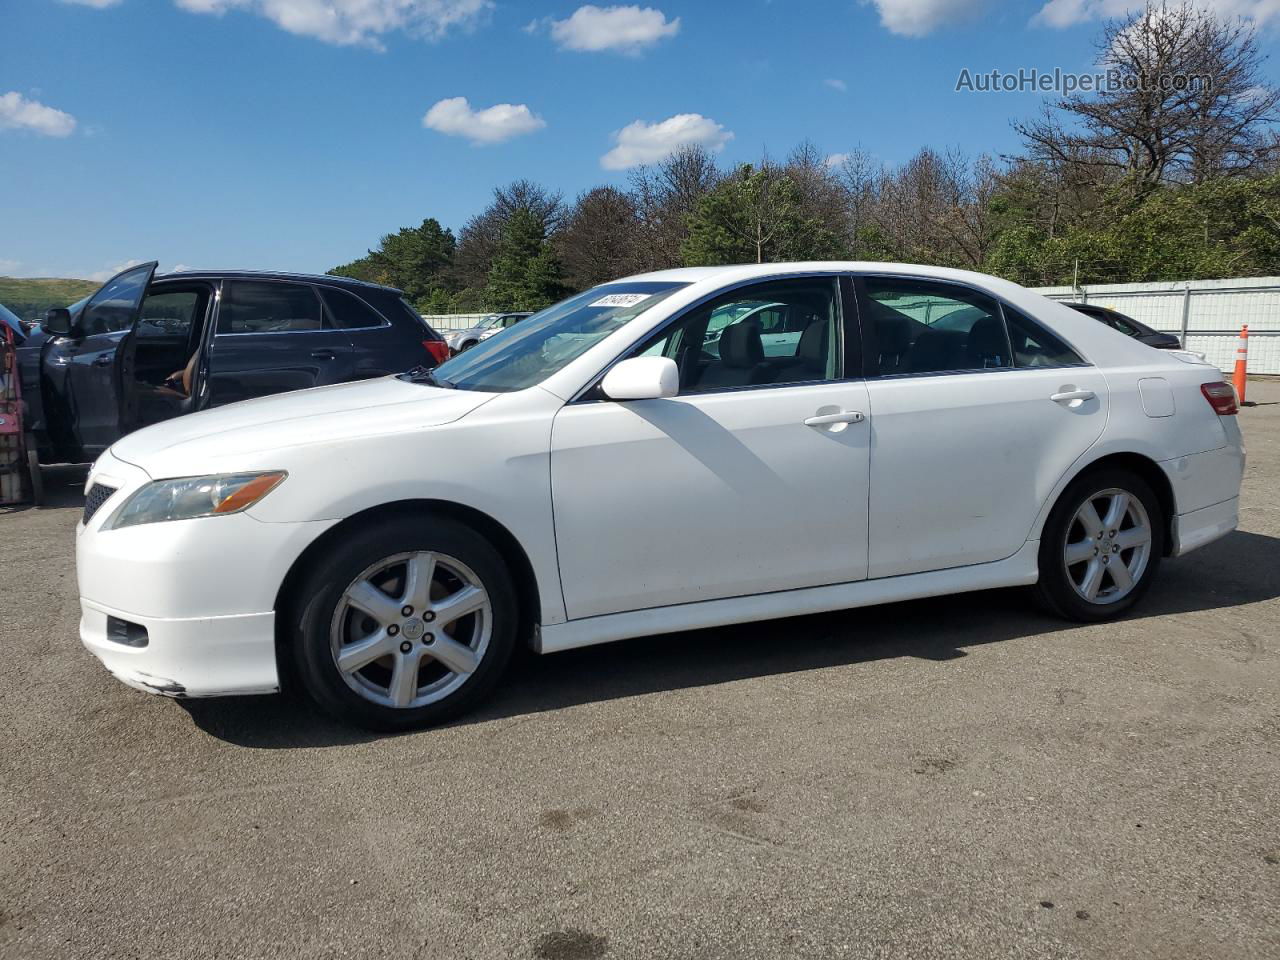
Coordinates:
(456, 118)
(915, 18)
(626, 29)
(1068, 13)
(641, 142)
(102, 276)
(19, 113)
(836, 159)
(355, 22)
(98, 4)
(836, 84)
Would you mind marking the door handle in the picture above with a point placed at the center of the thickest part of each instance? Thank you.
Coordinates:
(322, 354)
(103, 361)
(1070, 395)
(846, 416)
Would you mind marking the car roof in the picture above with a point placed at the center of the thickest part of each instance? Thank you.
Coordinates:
(750, 271)
(325, 278)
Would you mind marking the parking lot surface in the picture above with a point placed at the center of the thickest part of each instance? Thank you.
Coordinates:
(961, 777)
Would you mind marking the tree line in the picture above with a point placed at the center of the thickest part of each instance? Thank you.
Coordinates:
(1147, 179)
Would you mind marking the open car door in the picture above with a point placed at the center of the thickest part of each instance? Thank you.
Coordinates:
(94, 369)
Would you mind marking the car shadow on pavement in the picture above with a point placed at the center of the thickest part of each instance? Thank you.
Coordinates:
(63, 487)
(1240, 569)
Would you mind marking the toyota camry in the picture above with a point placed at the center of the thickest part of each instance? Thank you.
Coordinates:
(677, 450)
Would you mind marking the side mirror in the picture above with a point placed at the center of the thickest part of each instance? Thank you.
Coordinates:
(57, 321)
(642, 378)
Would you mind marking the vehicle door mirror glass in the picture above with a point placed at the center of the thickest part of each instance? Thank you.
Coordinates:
(642, 378)
(57, 321)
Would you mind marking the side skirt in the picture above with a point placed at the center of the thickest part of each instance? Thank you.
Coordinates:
(1017, 570)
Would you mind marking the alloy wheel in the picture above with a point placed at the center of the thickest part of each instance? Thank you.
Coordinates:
(1108, 546)
(411, 629)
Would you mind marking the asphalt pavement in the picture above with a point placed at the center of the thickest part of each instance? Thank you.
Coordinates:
(964, 777)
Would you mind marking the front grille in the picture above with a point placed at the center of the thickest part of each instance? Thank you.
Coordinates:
(98, 494)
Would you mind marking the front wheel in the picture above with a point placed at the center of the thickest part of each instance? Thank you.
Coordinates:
(1101, 546)
(405, 624)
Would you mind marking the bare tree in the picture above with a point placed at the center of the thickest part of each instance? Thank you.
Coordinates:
(1188, 102)
(820, 195)
(478, 240)
(665, 195)
(599, 238)
(859, 176)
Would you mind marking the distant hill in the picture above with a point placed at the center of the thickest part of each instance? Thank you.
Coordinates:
(30, 298)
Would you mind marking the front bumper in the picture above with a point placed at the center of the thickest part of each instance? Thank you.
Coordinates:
(192, 657)
(204, 591)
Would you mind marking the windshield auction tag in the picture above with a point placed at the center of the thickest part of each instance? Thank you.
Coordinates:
(621, 299)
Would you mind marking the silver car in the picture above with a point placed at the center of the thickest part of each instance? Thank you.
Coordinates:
(460, 340)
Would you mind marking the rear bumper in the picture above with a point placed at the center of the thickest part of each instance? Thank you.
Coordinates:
(1206, 491)
(196, 657)
(1195, 529)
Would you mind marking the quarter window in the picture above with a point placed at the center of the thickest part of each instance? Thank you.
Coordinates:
(347, 311)
(783, 331)
(250, 306)
(927, 327)
(1034, 346)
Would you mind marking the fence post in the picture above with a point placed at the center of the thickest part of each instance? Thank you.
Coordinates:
(1186, 312)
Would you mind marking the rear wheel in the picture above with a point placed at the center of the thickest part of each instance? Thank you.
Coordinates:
(1101, 546)
(406, 624)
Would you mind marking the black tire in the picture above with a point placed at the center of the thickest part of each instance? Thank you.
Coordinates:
(35, 478)
(314, 606)
(1056, 588)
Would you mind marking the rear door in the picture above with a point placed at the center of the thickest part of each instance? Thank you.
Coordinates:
(380, 345)
(94, 387)
(976, 412)
(272, 336)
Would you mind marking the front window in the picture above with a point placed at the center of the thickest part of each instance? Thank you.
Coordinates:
(779, 331)
(548, 341)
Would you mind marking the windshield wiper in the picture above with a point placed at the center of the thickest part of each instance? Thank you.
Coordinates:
(421, 374)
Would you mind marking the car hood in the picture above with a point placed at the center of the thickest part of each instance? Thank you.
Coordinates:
(241, 434)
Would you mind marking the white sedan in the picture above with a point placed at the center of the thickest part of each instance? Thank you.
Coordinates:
(597, 473)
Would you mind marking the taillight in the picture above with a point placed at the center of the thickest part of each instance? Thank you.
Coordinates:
(438, 349)
(1222, 397)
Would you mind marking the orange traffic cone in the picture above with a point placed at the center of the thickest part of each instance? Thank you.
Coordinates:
(1242, 363)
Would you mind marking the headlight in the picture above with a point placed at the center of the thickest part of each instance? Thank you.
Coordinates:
(190, 497)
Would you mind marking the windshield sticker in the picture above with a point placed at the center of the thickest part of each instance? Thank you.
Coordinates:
(621, 300)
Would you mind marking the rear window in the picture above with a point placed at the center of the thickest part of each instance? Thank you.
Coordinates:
(347, 311)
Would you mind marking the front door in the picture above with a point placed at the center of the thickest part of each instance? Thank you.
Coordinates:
(752, 480)
(93, 375)
(967, 438)
(272, 336)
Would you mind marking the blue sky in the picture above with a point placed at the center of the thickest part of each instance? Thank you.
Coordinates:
(290, 134)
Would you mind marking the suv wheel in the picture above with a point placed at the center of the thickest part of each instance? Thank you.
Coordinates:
(406, 624)
(1101, 546)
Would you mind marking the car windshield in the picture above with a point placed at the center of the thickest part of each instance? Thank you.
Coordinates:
(537, 347)
(488, 322)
